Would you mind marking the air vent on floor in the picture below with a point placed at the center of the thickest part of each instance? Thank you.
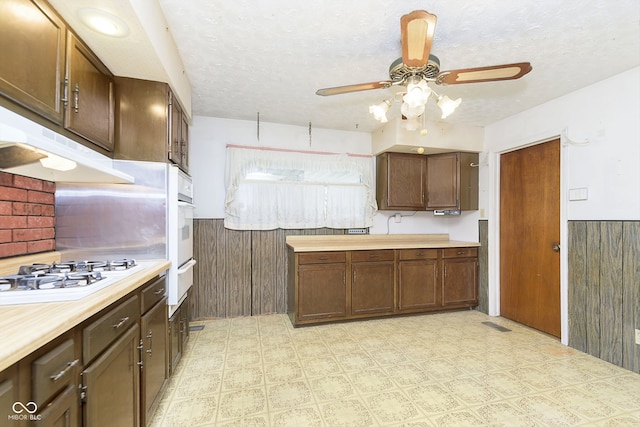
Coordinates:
(196, 328)
(496, 327)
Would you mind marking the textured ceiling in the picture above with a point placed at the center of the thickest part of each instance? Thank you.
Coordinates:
(243, 57)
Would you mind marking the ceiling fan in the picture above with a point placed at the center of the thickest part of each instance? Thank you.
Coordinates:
(418, 66)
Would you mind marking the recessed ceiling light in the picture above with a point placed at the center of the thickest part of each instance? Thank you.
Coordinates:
(103, 22)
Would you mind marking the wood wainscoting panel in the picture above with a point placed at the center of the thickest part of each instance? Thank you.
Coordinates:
(604, 296)
(483, 266)
(631, 294)
(240, 273)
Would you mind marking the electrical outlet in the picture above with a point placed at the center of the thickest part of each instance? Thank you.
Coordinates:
(638, 336)
(357, 231)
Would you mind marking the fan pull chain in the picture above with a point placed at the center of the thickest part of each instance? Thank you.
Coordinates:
(309, 134)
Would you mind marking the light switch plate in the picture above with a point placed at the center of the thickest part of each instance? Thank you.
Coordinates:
(578, 193)
(638, 336)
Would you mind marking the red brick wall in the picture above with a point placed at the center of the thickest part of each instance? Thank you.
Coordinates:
(27, 215)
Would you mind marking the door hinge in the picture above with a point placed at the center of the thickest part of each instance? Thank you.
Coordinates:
(83, 394)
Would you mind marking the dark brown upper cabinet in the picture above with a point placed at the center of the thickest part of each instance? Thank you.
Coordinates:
(452, 181)
(89, 93)
(150, 123)
(401, 181)
(32, 48)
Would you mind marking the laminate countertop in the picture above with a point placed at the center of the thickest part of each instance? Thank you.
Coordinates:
(26, 327)
(350, 242)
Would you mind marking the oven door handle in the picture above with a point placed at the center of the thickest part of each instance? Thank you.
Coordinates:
(186, 266)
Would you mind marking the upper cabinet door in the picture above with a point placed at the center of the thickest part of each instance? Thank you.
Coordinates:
(443, 176)
(32, 49)
(90, 109)
(400, 181)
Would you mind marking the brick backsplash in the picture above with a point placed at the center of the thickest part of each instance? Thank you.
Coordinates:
(27, 215)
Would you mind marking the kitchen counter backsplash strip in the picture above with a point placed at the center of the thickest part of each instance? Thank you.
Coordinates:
(27, 215)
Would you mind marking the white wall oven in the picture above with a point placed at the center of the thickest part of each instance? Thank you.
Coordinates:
(179, 236)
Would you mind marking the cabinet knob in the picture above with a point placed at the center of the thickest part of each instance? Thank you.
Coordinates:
(556, 247)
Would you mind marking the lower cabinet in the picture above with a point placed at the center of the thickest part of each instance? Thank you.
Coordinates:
(154, 357)
(110, 370)
(111, 384)
(459, 267)
(322, 292)
(372, 282)
(341, 285)
(418, 288)
(178, 334)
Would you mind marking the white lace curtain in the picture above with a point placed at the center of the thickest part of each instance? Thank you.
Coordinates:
(272, 188)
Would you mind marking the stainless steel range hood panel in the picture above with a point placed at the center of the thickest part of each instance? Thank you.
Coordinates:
(18, 133)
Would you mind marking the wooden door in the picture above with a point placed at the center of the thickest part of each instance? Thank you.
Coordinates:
(530, 236)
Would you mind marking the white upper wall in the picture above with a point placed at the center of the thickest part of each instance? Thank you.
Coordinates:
(605, 116)
(209, 137)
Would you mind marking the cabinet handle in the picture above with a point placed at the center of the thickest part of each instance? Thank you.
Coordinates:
(65, 96)
(150, 338)
(159, 292)
(323, 258)
(373, 256)
(121, 322)
(67, 368)
(76, 97)
(461, 252)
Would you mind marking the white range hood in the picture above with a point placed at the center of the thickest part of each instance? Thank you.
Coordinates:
(26, 142)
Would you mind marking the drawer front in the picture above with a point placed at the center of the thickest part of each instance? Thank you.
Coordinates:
(460, 252)
(106, 329)
(321, 257)
(409, 254)
(153, 293)
(53, 371)
(372, 256)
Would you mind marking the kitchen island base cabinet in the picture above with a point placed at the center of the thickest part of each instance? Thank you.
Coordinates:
(111, 384)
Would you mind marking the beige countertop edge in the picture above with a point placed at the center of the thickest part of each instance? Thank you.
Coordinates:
(26, 327)
(373, 242)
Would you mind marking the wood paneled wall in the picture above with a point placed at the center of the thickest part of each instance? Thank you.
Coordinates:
(604, 290)
(240, 273)
(483, 266)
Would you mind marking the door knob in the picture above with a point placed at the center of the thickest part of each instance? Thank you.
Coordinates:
(556, 247)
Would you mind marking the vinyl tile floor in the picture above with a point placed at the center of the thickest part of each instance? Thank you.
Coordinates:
(446, 369)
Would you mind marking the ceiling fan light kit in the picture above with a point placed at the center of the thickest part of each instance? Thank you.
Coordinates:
(418, 67)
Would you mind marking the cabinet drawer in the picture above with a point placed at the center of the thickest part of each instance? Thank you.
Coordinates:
(104, 330)
(409, 254)
(366, 256)
(460, 252)
(54, 371)
(321, 257)
(153, 293)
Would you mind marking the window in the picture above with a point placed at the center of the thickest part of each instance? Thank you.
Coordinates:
(272, 188)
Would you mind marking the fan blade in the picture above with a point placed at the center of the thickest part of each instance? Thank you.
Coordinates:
(416, 30)
(353, 88)
(484, 74)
